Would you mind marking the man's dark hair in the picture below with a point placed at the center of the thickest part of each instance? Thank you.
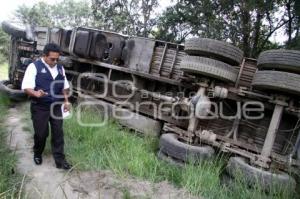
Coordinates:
(51, 47)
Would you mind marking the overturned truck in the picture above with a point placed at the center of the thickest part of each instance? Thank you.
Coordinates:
(199, 98)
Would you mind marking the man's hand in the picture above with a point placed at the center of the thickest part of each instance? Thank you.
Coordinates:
(31, 92)
(67, 106)
(40, 93)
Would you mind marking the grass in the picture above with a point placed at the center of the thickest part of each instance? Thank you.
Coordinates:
(9, 179)
(4, 71)
(114, 148)
(111, 147)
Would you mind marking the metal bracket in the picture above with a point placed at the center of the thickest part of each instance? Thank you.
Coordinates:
(185, 135)
(243, 91)
(280, 100)
(234, 129)
(264, 158)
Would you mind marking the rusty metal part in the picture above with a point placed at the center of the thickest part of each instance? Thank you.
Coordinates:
(185, 135)
(174, 61)
(244, 91)
(203, 107)
(224, 146)
(208, 135)
(166, 61)
(240, 73)
(264, 159)
(220, 92)
(236, 147)
(193, 122)
(296, 148)
(162, 57)
(235, 128)
(247, 70)
(185, 104)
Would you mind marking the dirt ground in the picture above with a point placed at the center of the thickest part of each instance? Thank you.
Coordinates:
(45, 181)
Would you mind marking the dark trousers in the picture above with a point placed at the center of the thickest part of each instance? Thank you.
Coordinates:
(41, 117)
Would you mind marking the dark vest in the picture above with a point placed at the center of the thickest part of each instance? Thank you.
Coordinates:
(44, 80)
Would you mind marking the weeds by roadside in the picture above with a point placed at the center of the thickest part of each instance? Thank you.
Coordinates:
(114, 148)
(9, 179)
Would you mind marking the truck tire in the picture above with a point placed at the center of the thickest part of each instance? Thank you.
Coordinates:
(170, 145)
(209, 67)
(238, 167)
(277, 81)
(13, 30)
(215, 49)
(13, 94)
(163, 157)
(285, 60)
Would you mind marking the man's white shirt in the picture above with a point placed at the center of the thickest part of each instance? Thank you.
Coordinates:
(30, 75)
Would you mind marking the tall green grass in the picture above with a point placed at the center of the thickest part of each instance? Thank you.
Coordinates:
(126, 154)
(9, 179)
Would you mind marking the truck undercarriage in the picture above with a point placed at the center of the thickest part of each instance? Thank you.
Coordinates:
(198, 98)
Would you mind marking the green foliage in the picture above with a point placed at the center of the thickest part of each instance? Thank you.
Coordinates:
(126, 154)
(72, 13)
(190, 18)
(293, 27)
(39, 14)
(67, 13)
(132, 17)
(247, 24)
(294, 44)
(8, 177)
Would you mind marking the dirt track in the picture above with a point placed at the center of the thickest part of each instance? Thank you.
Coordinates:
(45, 181)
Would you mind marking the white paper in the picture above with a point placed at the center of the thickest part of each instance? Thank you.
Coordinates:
(64, 114)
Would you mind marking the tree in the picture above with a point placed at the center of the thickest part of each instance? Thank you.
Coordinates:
(293, 25)
(148, 23)
(72, 13)
(132, 17)
(67, 13)
(248, 24)
(38, 15)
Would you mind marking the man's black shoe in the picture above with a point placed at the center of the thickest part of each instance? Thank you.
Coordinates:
(37, 159)
(63, 165)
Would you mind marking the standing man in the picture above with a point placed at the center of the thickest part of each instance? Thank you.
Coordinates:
(46, 84)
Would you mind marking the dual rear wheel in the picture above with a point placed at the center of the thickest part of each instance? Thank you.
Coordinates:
(278, 73)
